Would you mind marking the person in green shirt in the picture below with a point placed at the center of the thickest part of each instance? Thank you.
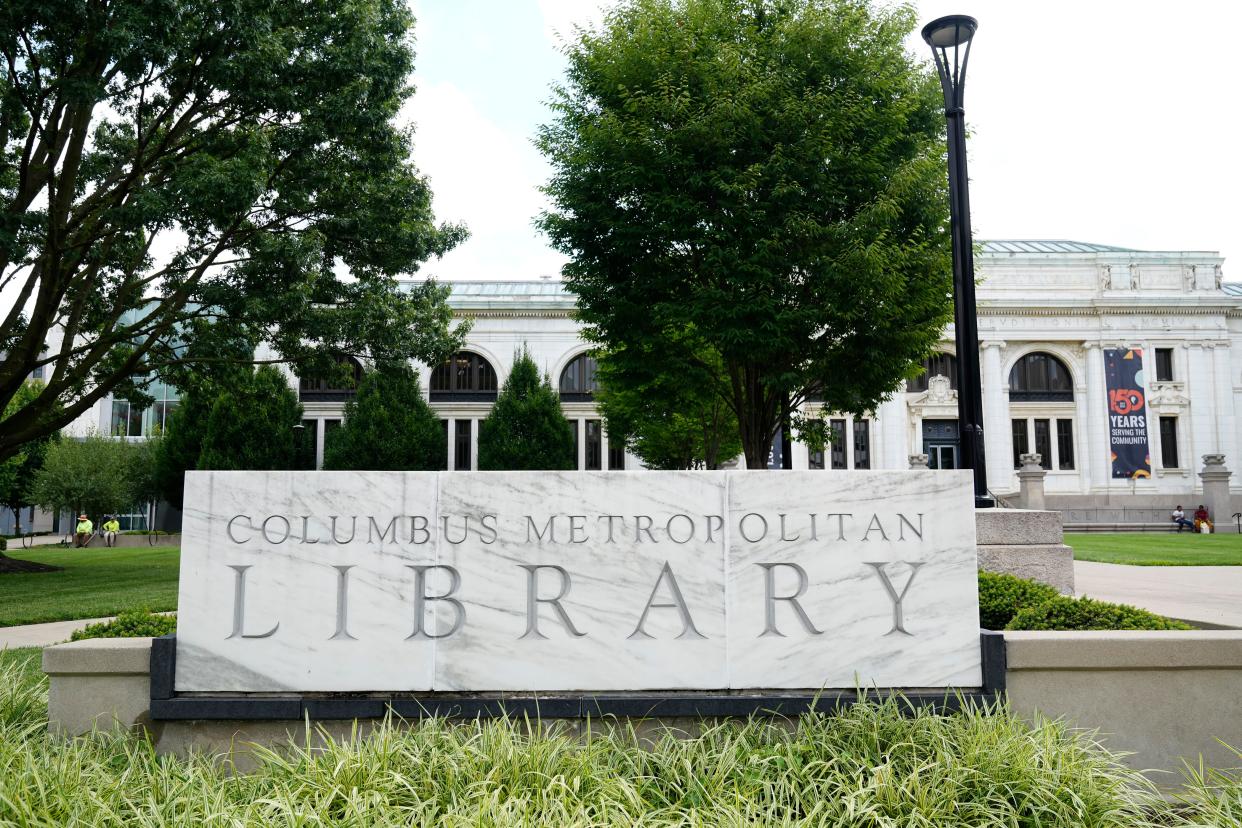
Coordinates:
(110, 528)
(84, 531)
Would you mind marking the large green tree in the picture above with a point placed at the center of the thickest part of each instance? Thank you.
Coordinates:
(388, 426)
(672, 420)
(253, 425)
(526, 429)
(769, 173)
(181, 170)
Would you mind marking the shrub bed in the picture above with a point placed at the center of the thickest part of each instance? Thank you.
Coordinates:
(136, 623)
(1001, 596)
(1007, 602)
(1064, 613)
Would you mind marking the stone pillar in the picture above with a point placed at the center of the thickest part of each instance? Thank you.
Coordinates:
(1031, 482)
(1096, 425)
(1224, 411)
(997, 437)
(1215, 479)
(918, 461)
(452, 444)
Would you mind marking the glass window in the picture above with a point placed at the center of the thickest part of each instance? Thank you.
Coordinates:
(1168, 442)
(37, 373)
(576, 424)
(862, 444)
(594, 445)
(444, 428)
(616, 454)
(461, 446)
(579, 376)
(944, 365)
(126, 419)
(1043, 443)
(815, 460)
(1164, 364)
(334, 387)
(1020, 445)
(1065, 444)
(1040, 377)
(464, 372)
(836, 428)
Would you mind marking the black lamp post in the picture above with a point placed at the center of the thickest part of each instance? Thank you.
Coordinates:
(949, 38)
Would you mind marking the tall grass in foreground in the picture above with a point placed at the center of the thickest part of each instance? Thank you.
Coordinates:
(872, 765)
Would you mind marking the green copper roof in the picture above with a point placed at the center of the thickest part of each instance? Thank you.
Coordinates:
(1048, 246)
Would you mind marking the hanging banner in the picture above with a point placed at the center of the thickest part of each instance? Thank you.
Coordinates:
(1127, 412)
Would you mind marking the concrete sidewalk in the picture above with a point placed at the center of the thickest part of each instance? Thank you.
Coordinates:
(1207, 595)
(41, 635)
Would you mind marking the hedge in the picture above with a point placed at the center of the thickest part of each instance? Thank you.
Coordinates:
(1001, 596)
(1064, 613)
(135, 623)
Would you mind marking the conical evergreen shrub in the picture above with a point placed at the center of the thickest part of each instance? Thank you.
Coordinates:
(388, 426)
(526, 429)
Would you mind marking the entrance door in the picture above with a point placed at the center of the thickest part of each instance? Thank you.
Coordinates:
(940, 443)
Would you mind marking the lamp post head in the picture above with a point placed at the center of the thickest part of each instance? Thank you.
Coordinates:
(953, 30)
(950, 38)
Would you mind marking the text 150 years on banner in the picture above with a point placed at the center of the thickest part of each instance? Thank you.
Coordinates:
(576, 581)
(1127, 412)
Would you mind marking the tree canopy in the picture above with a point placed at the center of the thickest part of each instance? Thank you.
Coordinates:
(94, 475)
(388, 426)
(526, 429)
(189, 171)
(767, 173)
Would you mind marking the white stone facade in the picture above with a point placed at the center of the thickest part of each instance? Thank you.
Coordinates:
(1066, 299)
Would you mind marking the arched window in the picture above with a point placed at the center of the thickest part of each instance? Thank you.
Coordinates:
(936, 365)
(1040, 377)
(578, 378)
(464, 376)
(332, 389)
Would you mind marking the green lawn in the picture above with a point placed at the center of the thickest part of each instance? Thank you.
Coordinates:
(93, 583)
(1157, 548)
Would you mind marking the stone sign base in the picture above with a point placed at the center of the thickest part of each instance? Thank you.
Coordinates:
(1026, 543)
(1163, 696)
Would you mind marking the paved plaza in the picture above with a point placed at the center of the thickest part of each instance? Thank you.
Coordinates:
(1206, 595)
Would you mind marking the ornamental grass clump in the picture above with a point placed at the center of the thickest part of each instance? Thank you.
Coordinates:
(873, 765)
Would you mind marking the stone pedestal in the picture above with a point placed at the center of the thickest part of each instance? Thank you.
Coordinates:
(1027, 543)
(1031, 482)
(1215, 479)
(918, 461)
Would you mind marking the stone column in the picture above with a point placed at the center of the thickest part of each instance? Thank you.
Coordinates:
(891, 421)
(1224, 412)
(998, 440)
(1215, 479)
(1031, 482)
(452, 443)
(1095, 426)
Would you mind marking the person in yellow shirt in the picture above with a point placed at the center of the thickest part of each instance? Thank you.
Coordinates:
(110, 528)
(84, 531)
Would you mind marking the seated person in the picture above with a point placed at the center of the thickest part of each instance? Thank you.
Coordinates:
(83, 531)
(112, 526)
(1201, 518)
(1179, 517)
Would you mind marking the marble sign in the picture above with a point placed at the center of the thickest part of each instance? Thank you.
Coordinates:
(577, 581)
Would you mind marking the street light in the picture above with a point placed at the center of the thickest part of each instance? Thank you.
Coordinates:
(949, 38)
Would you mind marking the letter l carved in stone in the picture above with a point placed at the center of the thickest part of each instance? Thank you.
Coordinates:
(239, 605)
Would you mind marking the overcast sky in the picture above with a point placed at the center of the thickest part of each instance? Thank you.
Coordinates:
(1108, 121)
